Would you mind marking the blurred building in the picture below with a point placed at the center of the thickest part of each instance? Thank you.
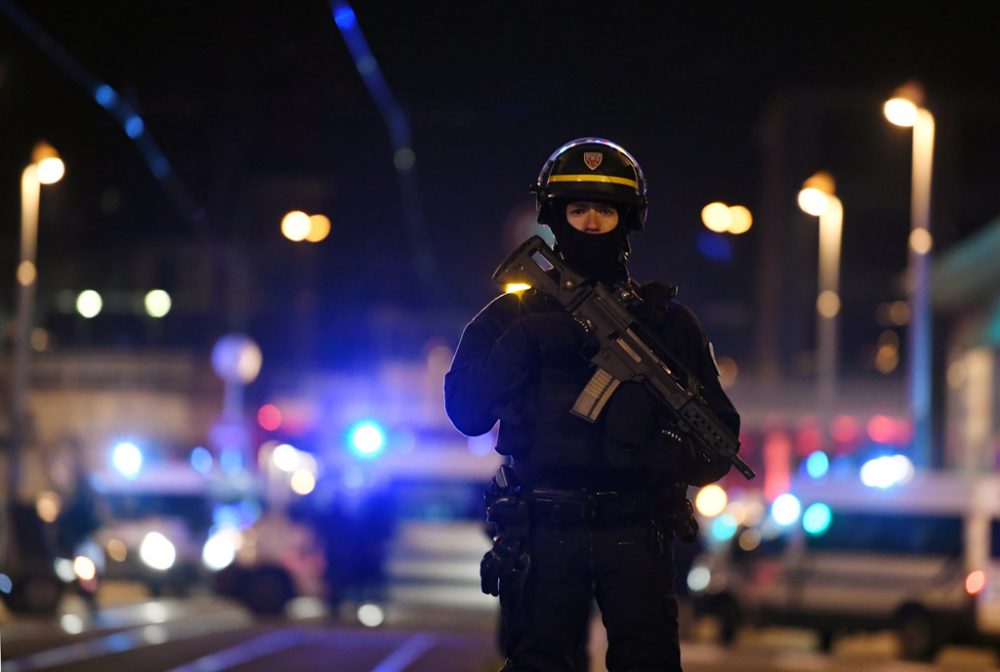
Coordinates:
(966, 295)
(83, 403)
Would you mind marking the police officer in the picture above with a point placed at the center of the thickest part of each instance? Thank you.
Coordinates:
(583, 511)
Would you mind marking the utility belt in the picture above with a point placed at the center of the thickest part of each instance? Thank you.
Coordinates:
(552, 505)
(514, 509)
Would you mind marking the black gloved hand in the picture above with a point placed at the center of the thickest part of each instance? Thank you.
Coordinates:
(556, 333)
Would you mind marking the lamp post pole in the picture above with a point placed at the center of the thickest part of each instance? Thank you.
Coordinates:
(817, 198)
(45, 168)
(905, 109)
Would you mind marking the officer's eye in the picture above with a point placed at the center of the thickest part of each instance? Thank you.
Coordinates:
(607, 211)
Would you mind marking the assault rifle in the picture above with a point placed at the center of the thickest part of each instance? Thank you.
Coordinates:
(627, 351)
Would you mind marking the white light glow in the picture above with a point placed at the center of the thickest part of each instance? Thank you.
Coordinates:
(157, 303)
(698, 579)
(84, 568)
(220, 549)
(157, 551)
(89, 303)
(886, 471)
(127, 459)
(285, 457)
(51, 170)
(64, 569)
(371, 615)
(786, 509)
(303, 482)
(71, 624)
(900, 111)
(813, 202)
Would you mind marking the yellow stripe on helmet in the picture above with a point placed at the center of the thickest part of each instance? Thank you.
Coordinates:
(595, 178)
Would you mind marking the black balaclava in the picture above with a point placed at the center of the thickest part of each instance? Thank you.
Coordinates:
(599, 256)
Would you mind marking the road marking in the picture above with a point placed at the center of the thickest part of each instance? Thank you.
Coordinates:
(117, 642)
(247, 651)
(401, 658)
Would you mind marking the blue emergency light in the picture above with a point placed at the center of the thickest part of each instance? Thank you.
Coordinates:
(127, 459)
(817, 464)
(367, 439)
(817, 518)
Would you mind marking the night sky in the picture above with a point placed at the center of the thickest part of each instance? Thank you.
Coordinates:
(259, 109)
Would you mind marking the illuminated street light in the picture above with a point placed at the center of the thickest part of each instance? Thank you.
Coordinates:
(295, 225)
(716, 217)
(157, 303)
(89, 303)
(740, 220)
(817, 198)
(319, 228)
(45, 168)
(236, 359)
(298, 226)
(721, 218)
(906, 109)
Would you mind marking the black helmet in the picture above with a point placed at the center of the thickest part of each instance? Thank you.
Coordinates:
(593, 169)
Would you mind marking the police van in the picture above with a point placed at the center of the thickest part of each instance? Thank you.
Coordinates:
(155, 524)
(920, 557)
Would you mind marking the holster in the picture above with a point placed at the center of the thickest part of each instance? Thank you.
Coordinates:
(674, 515)
(506, 564)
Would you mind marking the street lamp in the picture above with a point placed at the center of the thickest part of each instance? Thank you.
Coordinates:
(45, 168)
(236, 359)
(817, 198)
(905, 108)
(298, 226)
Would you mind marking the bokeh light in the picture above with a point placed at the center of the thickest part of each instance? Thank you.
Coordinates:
(900, 111)
(816, 519)
(711, 500)
(786, 509)
(295, 225)
(157, 302)
(817, 464)
(716, 217)
(269, 417)
(921, 241)
(319, 228)
(740, 220)
(367, 439)
(89, 303)
(127, 459)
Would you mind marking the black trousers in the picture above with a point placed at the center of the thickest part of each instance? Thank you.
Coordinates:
(546, 621)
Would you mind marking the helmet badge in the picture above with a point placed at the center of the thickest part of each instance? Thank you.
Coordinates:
(593, 159)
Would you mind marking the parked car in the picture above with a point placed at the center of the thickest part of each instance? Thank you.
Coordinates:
(28, 579)
(922, 558)
(267, 564)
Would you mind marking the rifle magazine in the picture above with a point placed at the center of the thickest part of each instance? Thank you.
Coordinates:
(595, 395)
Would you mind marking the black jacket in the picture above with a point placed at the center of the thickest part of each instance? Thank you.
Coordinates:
(499, 373)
